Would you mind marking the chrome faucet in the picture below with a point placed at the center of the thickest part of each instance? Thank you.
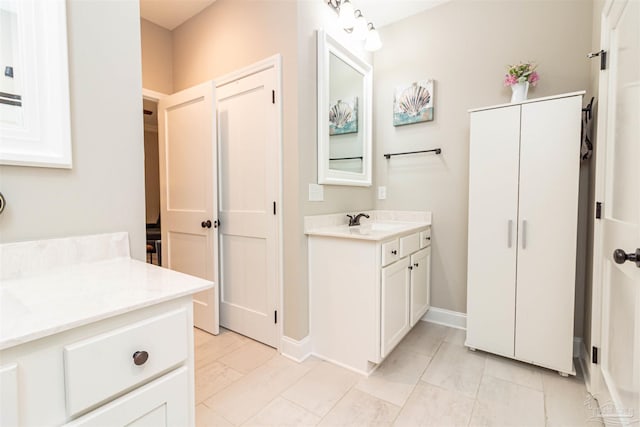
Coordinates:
(355, 221)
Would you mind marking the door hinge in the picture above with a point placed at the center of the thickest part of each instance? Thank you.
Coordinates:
(273, 96)
(275, 316)
(274, 208)
(598, 210)
(594, 355)
(603, 58)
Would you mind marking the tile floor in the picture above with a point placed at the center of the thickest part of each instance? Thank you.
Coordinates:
(430, 379)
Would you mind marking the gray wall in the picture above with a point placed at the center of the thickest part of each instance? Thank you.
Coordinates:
(104, 192)
(465, 46)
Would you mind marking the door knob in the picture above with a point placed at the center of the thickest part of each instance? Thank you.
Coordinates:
(206, 224)
(620, 256)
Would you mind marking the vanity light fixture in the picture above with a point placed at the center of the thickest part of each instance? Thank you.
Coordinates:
(373, 41)
(346, 14)
(360, 26)
(354, 22)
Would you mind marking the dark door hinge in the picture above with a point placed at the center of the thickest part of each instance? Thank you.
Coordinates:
(273, 96)
(274, 208)
(275, 316)
(598, 210)
(603, 58)
(594, 355)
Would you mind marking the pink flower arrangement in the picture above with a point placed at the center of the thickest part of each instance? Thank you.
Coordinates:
(520, 73)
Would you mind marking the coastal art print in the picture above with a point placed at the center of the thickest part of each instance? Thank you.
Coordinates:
(413, 103)
(343, 117)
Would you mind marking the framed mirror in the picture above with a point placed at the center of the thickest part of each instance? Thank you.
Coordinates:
(34, 84)
(344, 115)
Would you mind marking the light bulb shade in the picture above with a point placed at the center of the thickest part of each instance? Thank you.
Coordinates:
(360, 28)
(346, 17)
(373, 42)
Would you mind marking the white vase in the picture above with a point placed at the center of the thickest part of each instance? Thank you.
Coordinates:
(519, 92)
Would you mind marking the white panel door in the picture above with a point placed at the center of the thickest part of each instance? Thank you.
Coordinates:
(420, 281)
(188, 205)
(395, 298)
(620, 225)
(249, 181)
(548, 210)
(493, 214)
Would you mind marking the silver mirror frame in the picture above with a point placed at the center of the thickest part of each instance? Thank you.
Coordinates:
(44, 139)
(328, 45)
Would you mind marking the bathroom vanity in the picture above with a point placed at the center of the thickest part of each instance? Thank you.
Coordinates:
(89, 336)
(368, 284)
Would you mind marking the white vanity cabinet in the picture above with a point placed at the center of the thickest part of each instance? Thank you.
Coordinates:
(524, 162)
(367, 290)
(95, 342)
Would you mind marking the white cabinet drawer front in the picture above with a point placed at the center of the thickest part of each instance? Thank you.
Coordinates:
(409, 244)
(9, 393)
(163, 402)
(390, 252)
(102, 366)
(425, 238)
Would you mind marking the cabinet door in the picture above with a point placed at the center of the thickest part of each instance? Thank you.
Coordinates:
(420, 284)
(493, 210)
(395, 304)
(549, 175)
(164, 402)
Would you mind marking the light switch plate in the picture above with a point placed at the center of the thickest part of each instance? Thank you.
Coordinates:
(382, 192)
(316, 193)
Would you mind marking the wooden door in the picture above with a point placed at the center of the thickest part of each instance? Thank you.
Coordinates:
(395, 298)
(548, 212)
(188, 204)
(249, 189)
(420, 280)
(619, 229)
(493, 215)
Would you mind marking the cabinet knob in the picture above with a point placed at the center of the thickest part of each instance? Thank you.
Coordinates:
(411, 267)
(206, 224)
(416, 265)
(394, 252)
(140, 357)
(427, 238)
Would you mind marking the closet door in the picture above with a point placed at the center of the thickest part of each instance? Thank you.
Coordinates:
(549, 169)
(493, 204)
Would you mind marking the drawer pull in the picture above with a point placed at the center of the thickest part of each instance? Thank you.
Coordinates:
(394, 252)
(140, 357)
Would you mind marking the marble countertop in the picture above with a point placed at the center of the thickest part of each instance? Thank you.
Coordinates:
(36, 306)
(371, 231)
(380, 225)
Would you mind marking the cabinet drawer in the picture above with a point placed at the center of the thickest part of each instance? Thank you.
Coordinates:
(425, 238)
(390, 252)
(409, 244)
(103, 366)
(163, 402)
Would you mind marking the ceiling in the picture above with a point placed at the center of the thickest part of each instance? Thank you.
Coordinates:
(171, 13)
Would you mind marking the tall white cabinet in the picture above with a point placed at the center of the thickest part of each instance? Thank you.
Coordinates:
(524, 165)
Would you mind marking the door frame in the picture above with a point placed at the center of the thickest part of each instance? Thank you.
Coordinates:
(273, 62)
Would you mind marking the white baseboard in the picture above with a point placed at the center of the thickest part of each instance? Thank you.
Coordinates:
(441, 316)
(298, 351)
